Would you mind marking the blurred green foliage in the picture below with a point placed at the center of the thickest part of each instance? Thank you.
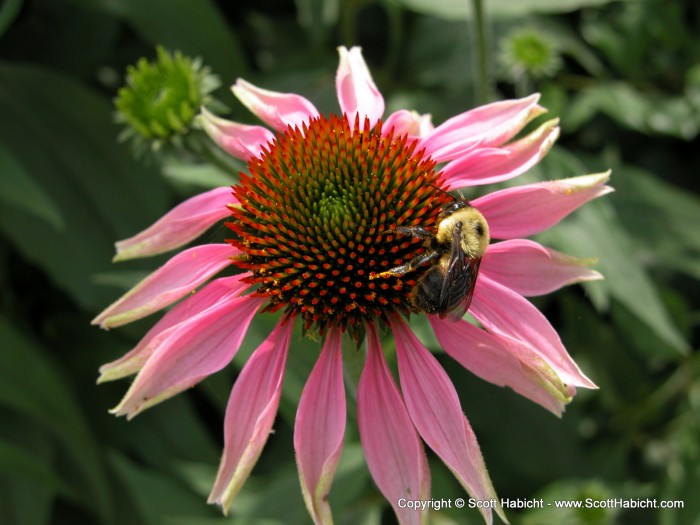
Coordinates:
(627, 90)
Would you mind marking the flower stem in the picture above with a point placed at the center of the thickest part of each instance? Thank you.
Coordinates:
(522, 86)
(482, 76)
(199, 144)
(348, 29)
(395, 37)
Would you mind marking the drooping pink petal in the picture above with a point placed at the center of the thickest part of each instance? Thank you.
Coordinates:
(393, 450)
(242, 141)
(491, 165)
(319, 428)
(183, 223)
(528, 268)
(526, 210)
(504, 312)
(250, 414)
(277, 110)
(410, 123)
(503, 362)
(486, 126)
(176, 278)
(357, 92)
(195, 349)
(210, 294)
(435, 410)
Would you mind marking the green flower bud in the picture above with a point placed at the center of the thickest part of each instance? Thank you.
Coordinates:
(160, 100)
(530, 53)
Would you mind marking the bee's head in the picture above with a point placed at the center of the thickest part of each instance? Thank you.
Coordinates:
(475, 232)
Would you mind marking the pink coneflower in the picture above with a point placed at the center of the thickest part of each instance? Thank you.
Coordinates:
(314, 223)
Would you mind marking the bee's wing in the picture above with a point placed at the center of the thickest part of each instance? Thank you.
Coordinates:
(458, 281)
(469, 274)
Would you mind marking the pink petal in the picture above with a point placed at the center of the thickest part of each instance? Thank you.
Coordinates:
(277, 110)
(504, 312)
(528, 268)
(357, 92)
(491, 165)
(434, 407)
(250, 414)
(176, 278)
(526, 210)
(503, 363)
(393, 450)
(486, 126)
(195, 349)
(183, 223)
(319, 428)
(242, 141)
(409, 123)
(210, 294)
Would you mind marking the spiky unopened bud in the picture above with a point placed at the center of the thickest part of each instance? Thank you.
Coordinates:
(161, 98)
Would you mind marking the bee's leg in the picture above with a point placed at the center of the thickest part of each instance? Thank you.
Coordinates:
(415, 231)
(411, 265)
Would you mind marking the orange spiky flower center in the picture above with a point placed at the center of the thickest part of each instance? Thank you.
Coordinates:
(317, 216)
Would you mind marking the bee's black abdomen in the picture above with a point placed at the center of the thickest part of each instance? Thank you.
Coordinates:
(427, 294)
(428, 290)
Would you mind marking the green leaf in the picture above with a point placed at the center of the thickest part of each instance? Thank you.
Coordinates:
(661, 218)
(122, 280)
(300, 362)
(159, 498)
(53, 34)
(569, 42)
(318, 17)
(31, 385)
(617, 100)
(199, 175)
(70, 151)
(280, 487)
(462, 10)
(303, 354)
(641, 337)
(8, 12)
(452, 71)
(681, 458)
(197, 29)
(602, 351)
(29, 480)
(19, 464)
(646, 113)
(352, 476)
(180, 520)
(174, 429)
(595, 231)
(581, 491)
(18, 188)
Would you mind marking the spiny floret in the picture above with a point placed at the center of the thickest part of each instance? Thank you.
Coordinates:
(317, 216)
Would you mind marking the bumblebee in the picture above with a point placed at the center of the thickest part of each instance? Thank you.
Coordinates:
(453, 251)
